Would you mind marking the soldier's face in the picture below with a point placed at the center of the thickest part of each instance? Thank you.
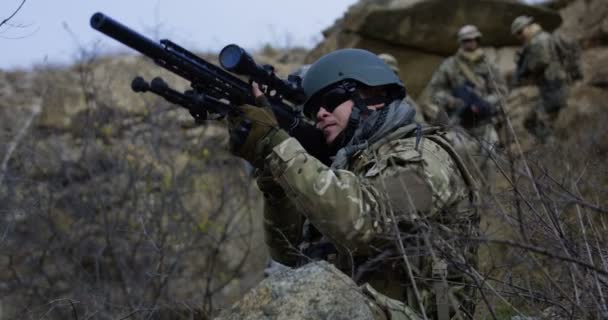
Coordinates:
(332, 123)
(521, 35)
(469, 44)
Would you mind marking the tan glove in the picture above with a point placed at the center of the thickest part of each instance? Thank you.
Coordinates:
(254, 132)
(455, 103)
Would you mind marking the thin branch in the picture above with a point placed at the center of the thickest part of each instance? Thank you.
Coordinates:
(542, 251)
(15, 143)
(12, 15)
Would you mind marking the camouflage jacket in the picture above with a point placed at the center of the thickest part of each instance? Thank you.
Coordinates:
(449, 76)
(405, 182)
(539, 60)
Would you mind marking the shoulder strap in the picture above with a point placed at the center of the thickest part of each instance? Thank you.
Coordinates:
(469, 74)
(466, 174)
(399, 133)
(436, 135)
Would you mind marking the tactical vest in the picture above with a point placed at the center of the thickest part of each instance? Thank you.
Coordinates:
(365, 268)
(437, 135)
(440, 286)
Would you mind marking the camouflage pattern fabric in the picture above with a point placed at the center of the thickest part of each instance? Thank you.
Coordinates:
(542, 66)
(404, 186)
(490, 87)
(477, 148)
(542, 62)
(449, 77)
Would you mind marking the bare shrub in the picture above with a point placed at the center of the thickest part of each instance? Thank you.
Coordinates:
(110, 213)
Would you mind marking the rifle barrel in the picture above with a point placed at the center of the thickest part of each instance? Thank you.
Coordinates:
(125, 35)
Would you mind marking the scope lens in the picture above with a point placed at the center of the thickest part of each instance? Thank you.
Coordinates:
(230, 56)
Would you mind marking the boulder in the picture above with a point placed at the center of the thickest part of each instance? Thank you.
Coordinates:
(315, 291)
(416, 66)
(585, 106)
(586, 21)
(595, 67)
(503, 58)
(431, 25)
(421, 33)
(520, 102)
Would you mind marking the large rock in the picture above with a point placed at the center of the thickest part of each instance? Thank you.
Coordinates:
(586, 104)
(315, 291)
(421, 33)
(417, 66)
(431, 25)
(595, 67)
(586, 21)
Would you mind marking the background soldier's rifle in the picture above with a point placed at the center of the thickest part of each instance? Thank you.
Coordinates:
(475, 110)
(215, 91)
(521, 70)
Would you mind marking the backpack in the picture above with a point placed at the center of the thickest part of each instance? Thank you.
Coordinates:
(569, 54)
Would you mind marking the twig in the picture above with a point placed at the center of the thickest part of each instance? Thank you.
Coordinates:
(542, 251)
(12, 15)
(15, 143)
(602, 300)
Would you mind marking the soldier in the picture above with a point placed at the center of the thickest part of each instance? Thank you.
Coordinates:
(392, 62)
(469, 87)
(394, 206)
(539, 62)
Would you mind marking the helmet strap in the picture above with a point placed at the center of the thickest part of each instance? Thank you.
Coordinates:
(355, 123)
(359, 113)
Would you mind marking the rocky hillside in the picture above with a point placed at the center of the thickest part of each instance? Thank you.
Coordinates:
(116, 199)
(544, 221)
(421, 33)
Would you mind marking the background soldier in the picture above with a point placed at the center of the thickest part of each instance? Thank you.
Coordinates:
(392, 62)
(539, 62)
(468, 87)
(393, 186)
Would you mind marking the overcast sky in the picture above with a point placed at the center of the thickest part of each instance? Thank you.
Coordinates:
(52, 30)
(39, 31)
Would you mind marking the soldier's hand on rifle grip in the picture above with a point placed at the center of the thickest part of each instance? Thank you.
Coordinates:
(239, 133)
(455, 103)
(253, 133)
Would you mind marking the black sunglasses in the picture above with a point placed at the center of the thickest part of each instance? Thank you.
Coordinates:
(329, 100)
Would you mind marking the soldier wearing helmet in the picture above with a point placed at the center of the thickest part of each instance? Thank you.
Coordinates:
(392, 207)
(539, 62)
(392, 62)
(468, 87)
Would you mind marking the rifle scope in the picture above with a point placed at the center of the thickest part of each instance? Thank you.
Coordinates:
(235, 59)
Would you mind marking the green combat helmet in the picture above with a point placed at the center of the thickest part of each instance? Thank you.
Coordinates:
(519, 23)
(468, 32)
(348, 66)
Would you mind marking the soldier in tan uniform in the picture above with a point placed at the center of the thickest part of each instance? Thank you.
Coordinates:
(469, 88)
(539, 63)
(394, 207)
(392, 62)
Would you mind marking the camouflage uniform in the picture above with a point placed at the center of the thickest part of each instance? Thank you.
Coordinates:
(539, 62)
(405, 181)
(489, 86)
